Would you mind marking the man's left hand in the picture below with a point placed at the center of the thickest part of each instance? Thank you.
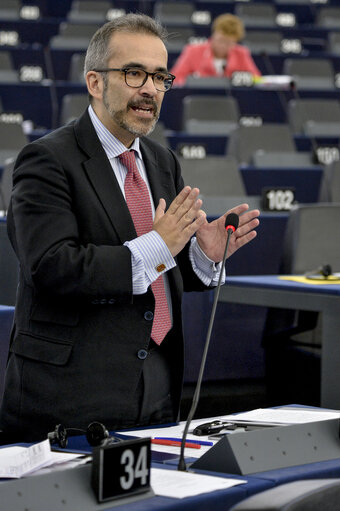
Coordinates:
(212, 237)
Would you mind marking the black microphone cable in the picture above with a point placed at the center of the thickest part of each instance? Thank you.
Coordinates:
(231, 224)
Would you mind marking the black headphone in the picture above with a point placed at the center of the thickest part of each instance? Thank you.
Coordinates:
(96, 434)
(324, 271)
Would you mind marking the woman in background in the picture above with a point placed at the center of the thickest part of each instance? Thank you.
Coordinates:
(220, 55)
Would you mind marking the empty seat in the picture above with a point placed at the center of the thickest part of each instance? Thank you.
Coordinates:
(178, 38)
(10, 10)
(12, 140)
(282, 159)
(207, 82)
(270, 137)
(263, 41)
(292, 338)
(334, 42)
(210, 114)
(6, 183)
(328, 17)
(314, 116)
(168, 13)
(310, 73)
(89, 11)
(330, 186)
(76, 73)
(8, 73)
(214, 176)
(73, 36)
(258, 14)
(72, 106)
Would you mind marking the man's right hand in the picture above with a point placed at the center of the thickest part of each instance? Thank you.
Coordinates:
(180, 222)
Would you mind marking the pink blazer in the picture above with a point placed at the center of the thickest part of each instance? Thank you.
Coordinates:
(197, 59)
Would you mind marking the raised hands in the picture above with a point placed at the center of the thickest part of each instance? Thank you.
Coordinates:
(185, 217)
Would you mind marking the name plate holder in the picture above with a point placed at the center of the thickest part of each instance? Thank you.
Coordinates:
(121, 469)
(70, 489)
(273, 448)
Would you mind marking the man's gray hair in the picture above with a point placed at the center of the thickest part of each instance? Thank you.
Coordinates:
(98, 52)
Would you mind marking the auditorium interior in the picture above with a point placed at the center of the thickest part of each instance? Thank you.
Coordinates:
(272, 142)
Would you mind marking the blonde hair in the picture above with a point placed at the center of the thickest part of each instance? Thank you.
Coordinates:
(229, 25)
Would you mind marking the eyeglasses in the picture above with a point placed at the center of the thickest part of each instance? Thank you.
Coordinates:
(136, 77)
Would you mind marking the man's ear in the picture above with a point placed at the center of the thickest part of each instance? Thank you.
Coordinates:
(94, 82)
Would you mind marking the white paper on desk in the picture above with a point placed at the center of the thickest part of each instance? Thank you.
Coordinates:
(284, 415)
(176, 484)
(16, 461)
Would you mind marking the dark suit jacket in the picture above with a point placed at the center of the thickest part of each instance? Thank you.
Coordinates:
(78, 332)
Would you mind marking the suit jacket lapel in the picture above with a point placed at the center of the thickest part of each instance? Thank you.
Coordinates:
(104, 182)
(159, 175)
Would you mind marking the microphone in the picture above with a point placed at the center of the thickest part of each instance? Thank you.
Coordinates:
(231, 224)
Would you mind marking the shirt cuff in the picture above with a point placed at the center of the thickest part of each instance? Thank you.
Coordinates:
(207, 270)
(150, 258)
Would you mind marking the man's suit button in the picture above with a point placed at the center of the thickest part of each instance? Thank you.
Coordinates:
(111, 301)
(148, 315)
(95, 302)
(103, 301)
(142, 354)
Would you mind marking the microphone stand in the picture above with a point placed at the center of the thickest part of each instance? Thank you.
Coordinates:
(181, 463)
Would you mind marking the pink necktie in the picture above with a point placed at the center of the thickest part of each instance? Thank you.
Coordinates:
(138, 201)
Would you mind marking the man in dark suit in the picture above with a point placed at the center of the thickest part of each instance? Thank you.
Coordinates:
(92, 340)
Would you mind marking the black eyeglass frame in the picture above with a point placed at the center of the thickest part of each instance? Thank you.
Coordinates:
(147, 74)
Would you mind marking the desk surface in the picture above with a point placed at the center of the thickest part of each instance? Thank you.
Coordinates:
(274, 282)
(270, 291)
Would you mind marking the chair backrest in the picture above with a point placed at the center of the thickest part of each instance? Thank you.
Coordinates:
(178, 37)
(173, 12)
(210, 108)
(334, 42)
(214, 176)
(76, 72)
(328, 17)
(8, 73)
(310, 73)
(89, 10)
(10, 10)
(263, 41)
(246, 140)
(72, 106)
(330, 186)
(208, 82)
(305, 495)
(258, 14)
(12, 136)
(312, 238)
(282, 159)
(9, 268)
(6, 183)
(300, 111)
(73, 35)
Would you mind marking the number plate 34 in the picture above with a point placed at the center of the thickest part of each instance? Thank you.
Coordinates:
(121, 469)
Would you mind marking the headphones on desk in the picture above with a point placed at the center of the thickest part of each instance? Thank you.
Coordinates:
(96, 434)
(320, 273)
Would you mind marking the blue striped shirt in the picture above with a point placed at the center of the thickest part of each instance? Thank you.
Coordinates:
(149, 250)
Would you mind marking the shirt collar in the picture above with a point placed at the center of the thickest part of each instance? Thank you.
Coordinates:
(111, 145)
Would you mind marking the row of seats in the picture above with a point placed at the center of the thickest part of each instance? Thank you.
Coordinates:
(263, 13)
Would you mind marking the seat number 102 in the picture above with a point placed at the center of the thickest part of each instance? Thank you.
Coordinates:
(278, 199)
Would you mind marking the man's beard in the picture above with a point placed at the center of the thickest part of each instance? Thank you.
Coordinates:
(144, 126)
